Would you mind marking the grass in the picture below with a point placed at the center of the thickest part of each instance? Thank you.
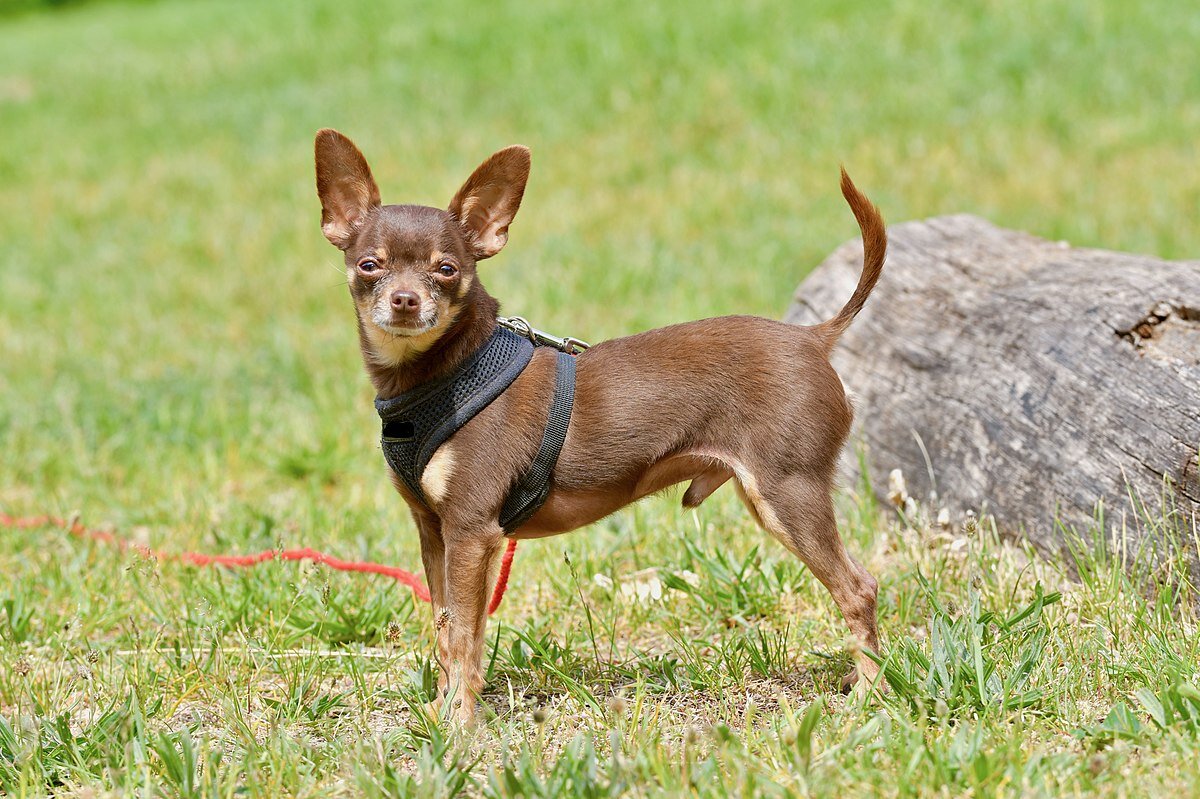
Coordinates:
(179, 362)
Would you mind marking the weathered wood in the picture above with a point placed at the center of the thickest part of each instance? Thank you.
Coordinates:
(1039, 378)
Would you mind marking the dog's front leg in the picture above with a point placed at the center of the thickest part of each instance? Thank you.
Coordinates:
(433, 558)
(470, 555)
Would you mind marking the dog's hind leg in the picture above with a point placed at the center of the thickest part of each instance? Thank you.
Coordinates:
(798, 510)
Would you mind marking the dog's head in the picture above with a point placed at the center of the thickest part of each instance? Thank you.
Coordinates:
(411, 268)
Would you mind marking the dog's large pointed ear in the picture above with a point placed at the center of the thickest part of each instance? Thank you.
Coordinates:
(488, 201)
(345, 186)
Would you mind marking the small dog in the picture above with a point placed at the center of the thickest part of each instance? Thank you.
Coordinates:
(735, 397)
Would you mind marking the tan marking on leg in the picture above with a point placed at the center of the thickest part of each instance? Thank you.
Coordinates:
(763, 513)
(435, 480)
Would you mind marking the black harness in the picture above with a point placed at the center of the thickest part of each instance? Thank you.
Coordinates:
(420, 420)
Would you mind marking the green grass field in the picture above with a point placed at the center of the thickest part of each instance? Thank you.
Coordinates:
(179, 362)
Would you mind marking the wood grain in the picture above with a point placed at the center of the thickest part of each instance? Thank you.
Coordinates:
(1040, 378)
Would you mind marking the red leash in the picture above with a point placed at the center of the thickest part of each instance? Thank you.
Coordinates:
(199, 559)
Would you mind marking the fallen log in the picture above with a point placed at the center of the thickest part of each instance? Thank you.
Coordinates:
(1026, 377)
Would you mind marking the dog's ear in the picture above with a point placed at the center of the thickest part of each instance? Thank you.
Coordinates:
(488, 201)
(345, 186)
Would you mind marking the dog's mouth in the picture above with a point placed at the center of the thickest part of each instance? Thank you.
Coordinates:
(406, 327)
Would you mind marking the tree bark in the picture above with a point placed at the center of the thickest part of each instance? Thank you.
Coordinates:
(1025, 377)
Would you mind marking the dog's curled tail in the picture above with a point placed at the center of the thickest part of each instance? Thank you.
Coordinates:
(874, 237)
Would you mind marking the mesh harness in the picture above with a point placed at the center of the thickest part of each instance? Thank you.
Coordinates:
(420, 420)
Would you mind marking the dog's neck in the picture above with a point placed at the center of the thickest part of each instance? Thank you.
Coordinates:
(470, 330)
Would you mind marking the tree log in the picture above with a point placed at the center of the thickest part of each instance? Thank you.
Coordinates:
(1026, 377)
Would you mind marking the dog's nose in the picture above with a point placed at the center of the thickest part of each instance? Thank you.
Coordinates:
(405, 300)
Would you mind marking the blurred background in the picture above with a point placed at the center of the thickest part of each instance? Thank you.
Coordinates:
(177, 342)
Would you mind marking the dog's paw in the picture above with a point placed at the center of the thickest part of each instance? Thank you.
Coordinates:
(457, 711)
(873, 685)
(433, 709)
(463, 711)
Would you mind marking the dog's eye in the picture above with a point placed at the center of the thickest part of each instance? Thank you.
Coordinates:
(447, 269)
(368, 266)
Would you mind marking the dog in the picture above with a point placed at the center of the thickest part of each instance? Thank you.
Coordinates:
(739, 397)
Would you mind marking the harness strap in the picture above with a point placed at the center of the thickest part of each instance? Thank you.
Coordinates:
(534, 486)
(419, 421)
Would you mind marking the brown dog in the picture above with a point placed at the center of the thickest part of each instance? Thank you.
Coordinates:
(740, 396)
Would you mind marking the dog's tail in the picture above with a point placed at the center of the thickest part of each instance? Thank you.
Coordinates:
(874, 237)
